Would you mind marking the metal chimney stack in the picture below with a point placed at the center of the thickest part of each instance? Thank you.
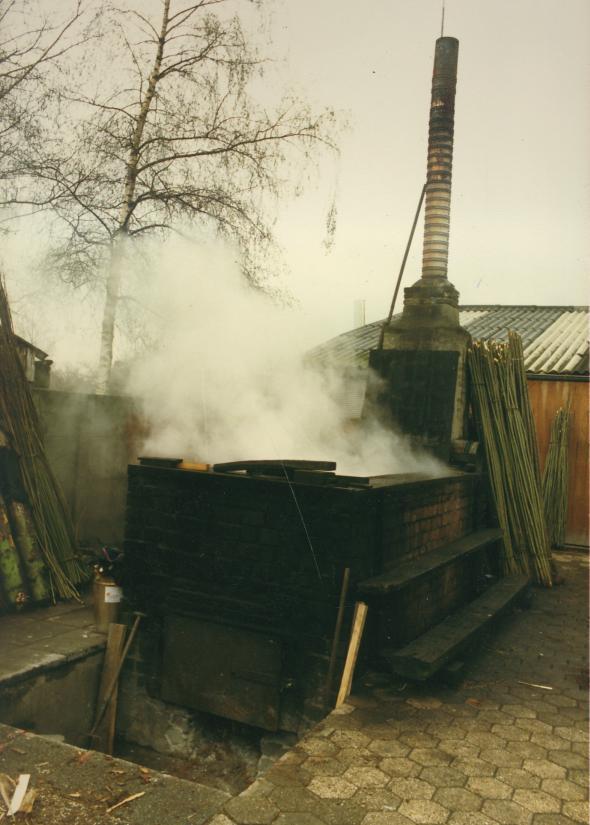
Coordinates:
(440, 159)
(420, 369)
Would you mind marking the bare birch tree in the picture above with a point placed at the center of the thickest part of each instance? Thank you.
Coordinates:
(30, 46)
(180, 137)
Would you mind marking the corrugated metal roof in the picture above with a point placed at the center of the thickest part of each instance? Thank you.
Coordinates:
(555, 339)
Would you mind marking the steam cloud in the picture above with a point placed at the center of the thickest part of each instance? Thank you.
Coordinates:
(227, 380)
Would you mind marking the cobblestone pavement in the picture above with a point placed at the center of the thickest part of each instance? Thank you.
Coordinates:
(509, 746)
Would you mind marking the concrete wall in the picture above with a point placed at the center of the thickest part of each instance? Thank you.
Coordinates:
(58, 701)
(90, 440)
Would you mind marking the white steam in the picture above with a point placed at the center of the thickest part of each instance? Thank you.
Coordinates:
(227, 382)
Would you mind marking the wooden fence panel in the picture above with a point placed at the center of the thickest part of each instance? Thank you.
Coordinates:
(546, 398)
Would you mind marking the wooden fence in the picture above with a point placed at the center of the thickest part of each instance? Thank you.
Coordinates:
(547, 395)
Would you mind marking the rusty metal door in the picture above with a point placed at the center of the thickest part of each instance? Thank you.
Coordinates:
(223, 670)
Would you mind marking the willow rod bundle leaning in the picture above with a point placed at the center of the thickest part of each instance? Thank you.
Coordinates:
(52, 524)
(555, 477)
(507, 432)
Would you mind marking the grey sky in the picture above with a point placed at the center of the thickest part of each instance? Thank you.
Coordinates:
(521, 187)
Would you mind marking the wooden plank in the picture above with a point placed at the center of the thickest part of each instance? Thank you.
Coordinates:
(358, 624)
(435, 560)
(105, 734)
(546, 398)
(290, 464)
(430, 652)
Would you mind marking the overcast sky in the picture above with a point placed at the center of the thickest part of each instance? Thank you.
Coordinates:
(521, 181)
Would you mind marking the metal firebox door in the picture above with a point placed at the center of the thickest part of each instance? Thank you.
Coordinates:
(223, 670)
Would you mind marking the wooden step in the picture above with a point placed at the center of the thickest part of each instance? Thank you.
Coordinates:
(428, 653)
(411, 571)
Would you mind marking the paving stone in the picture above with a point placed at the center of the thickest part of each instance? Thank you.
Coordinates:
(349, 739)
(294, 799)
(356, 756)
(470, 818)
(573, 734)
(331, 787)
(458, 799)
(551, 819)
(376, 799)
(487, 740)
(386, 818)
(496, 717)
(446, 731)
(293, 757)
(533, 725)
(399, 767)
(473, 767)
(518, 778)
(429, 756)
(382, 731)
(321, 765)
(411, 788)
(489, 787)
(537, 801)
(388, 747)
(284, 773)
(527, 750)
(315, 746)
(553, 718)
(221, 819)
(298, 819)
(459, 747)
(563, 789)
(544, 768)
(523, 711)
(577, 811)
(366, 777)
(561, 701)
(254, 810)
(423, 812)
(419, 740)
(549, 742)
(511, 732)
(505, 812)
(443, 777)
(501, 758)
(568, 759)
(579, 747)
(579, 714)
(579, 777)
(343, 710)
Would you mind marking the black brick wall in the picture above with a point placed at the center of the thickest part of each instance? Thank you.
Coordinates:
(233, 549)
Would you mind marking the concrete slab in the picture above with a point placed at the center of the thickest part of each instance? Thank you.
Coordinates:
(79, 786)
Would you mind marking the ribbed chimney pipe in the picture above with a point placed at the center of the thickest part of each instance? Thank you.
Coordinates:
(440, 159)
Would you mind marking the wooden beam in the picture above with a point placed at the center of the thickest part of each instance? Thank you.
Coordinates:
(358, 625)
(105, 733)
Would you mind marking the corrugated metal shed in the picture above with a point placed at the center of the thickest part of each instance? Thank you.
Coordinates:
(555, 339)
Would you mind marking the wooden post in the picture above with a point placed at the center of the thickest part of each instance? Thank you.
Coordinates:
(336, 639)
(105, 732)
(358, 624)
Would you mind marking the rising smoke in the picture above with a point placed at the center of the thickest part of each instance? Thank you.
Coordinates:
(227, 380)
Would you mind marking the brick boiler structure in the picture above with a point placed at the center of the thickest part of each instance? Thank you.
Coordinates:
(242, 595)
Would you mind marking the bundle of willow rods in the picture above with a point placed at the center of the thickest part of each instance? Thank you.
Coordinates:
(53, 527)
(507, 431)
(555, 477)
